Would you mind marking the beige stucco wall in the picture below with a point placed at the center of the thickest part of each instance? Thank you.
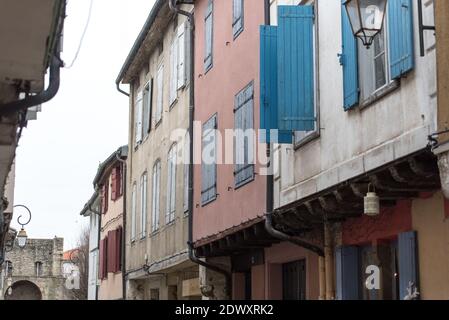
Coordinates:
(432, 225)
(111, 287)
(170, 241)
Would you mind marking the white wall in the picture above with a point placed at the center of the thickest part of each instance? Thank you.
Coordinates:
(354, 142)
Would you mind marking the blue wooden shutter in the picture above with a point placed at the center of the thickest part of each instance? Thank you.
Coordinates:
(349, 61)
(269, 88)
(237, 17)
(296, 68)
(209, 31)
(244, 145)
(400, 22)
(347, 271)
(408, 262)
(209, 170)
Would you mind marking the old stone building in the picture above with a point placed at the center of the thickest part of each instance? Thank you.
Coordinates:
(34, 272)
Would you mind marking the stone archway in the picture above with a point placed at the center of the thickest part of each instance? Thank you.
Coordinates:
(24, 290)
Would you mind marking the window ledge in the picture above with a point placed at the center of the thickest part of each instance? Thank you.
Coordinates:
(244, 183)
(157, 124)
(378, 95)
(306, 140)
(205, 203)
(154, 233)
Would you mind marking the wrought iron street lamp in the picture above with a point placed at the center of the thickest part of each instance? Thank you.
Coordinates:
(22, 236)
(367, 18)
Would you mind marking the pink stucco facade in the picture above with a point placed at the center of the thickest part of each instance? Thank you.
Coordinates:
(235, 65)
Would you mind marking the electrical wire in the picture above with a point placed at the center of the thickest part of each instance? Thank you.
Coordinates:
(82, 36)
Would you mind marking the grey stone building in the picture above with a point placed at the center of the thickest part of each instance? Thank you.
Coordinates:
(34, 272)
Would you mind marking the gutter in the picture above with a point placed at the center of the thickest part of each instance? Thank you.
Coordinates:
(53, 87)
(138, 43)
(192, 255)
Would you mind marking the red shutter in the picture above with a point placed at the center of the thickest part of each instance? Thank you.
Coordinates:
(101, 268)
(111, 251)
(114, 184)
(102, 199)
(118, 254)
(119, 181)
(106, 196)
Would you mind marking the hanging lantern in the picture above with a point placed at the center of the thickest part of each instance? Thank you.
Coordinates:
(22, 238)
(367, 18)
(371, 203)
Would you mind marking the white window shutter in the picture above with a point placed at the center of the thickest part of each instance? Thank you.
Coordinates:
(173, 70)
(158, 191)
(160, 93)
(133, 213)
(181, 56)
(138, 118)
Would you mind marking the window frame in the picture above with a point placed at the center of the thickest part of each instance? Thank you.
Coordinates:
(159, 110)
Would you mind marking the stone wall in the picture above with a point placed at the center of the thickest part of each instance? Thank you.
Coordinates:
(49, 279)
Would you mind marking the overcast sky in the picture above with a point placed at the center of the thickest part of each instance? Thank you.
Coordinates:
(58, 155)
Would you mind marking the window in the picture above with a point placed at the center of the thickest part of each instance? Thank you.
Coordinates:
(38, 268)
(369, 73)
(116, 183)
(138, 114)
(133, 212)
(171, 184)
(301, 136)
(154, 294)
(114, 250)
(237, 17)
(294, 280)
(209, 161)
(105, 197)
(8, 268)
(147, 107)
(174, 70)
(143, 205)
(156, 187)
(373, 64)
(182, 46)
(103, 268)
(244, 136)
(160, 93)
(209, 30)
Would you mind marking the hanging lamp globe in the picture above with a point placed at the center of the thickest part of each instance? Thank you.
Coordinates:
(367, 18)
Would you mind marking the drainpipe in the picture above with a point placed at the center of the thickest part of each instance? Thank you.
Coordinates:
(192, 255)
(120, 90)
(124, 226)
(2, 234)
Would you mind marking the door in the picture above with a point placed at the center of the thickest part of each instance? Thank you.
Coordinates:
(294, 280)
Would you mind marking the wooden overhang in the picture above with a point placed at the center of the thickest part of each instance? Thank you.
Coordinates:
(246, 238)
(404, 179)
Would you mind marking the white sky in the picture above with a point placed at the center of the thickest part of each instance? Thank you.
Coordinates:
(58, 154)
